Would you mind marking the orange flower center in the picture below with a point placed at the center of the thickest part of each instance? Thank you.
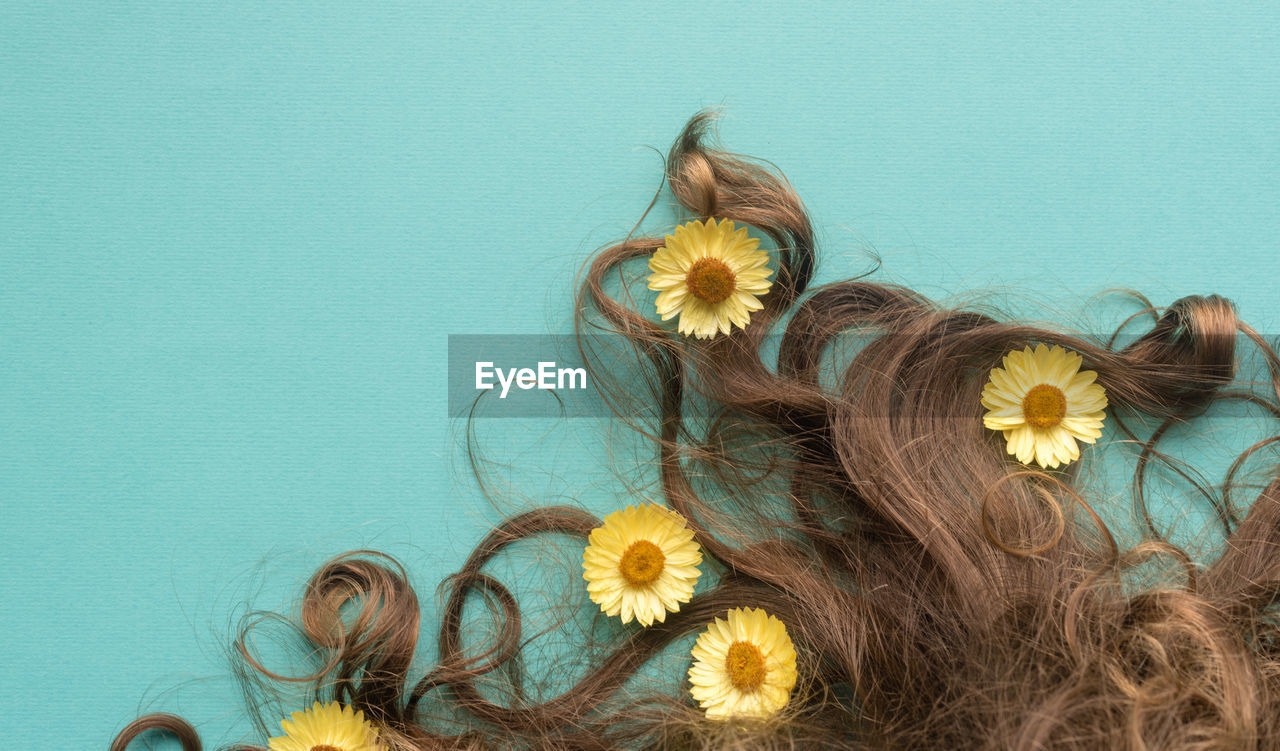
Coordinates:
(325, 747)
(710, 280)
(641, 563)
(745, 665)
(1044, 406)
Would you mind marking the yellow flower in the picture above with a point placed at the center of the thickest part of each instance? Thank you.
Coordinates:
(744, 666)
(710, 275)
(331, 727)
(1044, 403)
(642, 563)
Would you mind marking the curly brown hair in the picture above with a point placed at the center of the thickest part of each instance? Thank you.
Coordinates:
(939, 594)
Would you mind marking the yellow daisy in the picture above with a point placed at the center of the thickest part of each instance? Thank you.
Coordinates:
(642, 563)
(1044, 403)
(711, 276)
(331, 727)
(744, 666)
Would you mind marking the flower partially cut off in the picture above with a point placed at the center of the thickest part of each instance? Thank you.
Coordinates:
(328, 727)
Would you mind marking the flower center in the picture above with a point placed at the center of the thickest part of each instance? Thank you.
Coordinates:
(325, 747)
(1044, 406)
(745, 665)
(710, 280)
(641, 564)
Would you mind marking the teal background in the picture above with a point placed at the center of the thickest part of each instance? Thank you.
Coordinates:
(234, 238)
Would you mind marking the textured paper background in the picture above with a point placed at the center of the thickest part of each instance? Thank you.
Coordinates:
(234, 237)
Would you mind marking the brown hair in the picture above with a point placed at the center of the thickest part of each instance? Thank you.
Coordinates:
(940, 595)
